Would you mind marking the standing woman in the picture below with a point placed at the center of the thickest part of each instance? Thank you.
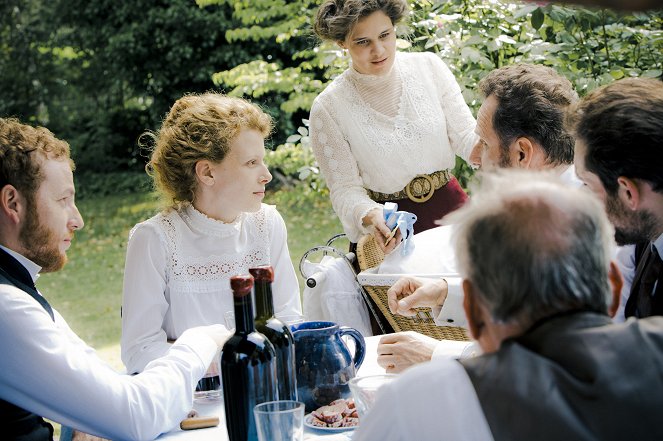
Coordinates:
(390, 126)
(208, 165)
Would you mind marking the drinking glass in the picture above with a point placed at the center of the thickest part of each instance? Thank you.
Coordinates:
(229, 317)
(290, 319)
(209, 387)
(364, 390)
(280, 420)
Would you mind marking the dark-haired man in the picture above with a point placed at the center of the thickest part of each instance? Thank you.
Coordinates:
(619, 156)
(520, 125)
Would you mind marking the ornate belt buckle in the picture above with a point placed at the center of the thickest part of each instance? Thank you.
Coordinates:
(422, 185)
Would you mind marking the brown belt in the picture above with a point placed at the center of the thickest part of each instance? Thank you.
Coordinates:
(420, 189)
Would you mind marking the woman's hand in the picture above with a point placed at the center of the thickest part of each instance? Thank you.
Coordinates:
(382, 233)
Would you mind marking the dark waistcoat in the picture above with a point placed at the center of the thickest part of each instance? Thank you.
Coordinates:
(642, 251)
(575, 377)
(16, 423)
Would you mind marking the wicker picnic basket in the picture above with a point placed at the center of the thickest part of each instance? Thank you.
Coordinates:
(369, 255)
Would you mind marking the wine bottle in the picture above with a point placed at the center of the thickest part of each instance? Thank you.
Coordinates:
(248, 366)
(276, 331)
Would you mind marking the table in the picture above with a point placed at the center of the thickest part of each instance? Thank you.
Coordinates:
(369, 367)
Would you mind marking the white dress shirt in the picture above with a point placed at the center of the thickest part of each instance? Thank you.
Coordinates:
(178, 270)
(359, 147)
(47, 369)
(433, 401)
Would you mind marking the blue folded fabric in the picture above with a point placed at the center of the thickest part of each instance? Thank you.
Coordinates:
(404, 220)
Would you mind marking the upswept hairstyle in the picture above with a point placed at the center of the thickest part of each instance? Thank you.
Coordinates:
(22, 151)
(533, 247)
(335, 19)
(621, 127)
(532, 101)
(198, 127)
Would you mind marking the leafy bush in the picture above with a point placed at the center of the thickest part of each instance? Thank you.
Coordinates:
(90, 185)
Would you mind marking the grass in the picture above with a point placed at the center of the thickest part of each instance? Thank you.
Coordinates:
(88, 291)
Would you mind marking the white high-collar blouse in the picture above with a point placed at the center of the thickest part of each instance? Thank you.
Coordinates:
(178, 270)
(361, 144)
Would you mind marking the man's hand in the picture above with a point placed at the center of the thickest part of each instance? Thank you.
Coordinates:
(375, 219)
(397, 352)
(411, 292)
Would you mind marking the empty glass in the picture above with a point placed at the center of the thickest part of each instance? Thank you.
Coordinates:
(364, 390)
(280, 420)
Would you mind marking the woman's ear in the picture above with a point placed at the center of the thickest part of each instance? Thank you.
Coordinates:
(204, 172)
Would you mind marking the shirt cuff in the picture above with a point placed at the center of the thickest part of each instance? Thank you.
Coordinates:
(449, 349)
(452, 312)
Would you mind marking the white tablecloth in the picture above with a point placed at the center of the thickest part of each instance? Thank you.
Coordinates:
(369, 367)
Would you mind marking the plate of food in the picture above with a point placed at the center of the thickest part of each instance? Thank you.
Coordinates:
(338, 416)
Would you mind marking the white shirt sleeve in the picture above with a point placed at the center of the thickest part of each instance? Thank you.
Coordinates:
(339, 168)
(450, 349)
(460, 122)
(285, 288)
(432, 401)
(144, 304)
(49, 372)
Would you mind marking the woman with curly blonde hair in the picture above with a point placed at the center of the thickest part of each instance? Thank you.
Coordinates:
(208, 165)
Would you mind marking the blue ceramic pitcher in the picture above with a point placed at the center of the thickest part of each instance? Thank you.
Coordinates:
(323, 362)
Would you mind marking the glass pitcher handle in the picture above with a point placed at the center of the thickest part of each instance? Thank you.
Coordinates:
(360, 344)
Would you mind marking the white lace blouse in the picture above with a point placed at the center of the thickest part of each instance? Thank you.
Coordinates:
(362, 144)
(178, 270)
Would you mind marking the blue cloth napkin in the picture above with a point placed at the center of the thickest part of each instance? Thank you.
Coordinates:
(404, 220)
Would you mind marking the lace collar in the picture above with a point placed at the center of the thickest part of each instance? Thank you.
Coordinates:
(199, 221)
(368, 80)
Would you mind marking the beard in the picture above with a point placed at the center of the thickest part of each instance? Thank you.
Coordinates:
(40, 243)
(505, 159)
(630, 226)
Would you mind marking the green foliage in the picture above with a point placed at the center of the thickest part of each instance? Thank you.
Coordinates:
(100, 73)
(95, 185)
(27, 72)
(295, 160)
(590, 47)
